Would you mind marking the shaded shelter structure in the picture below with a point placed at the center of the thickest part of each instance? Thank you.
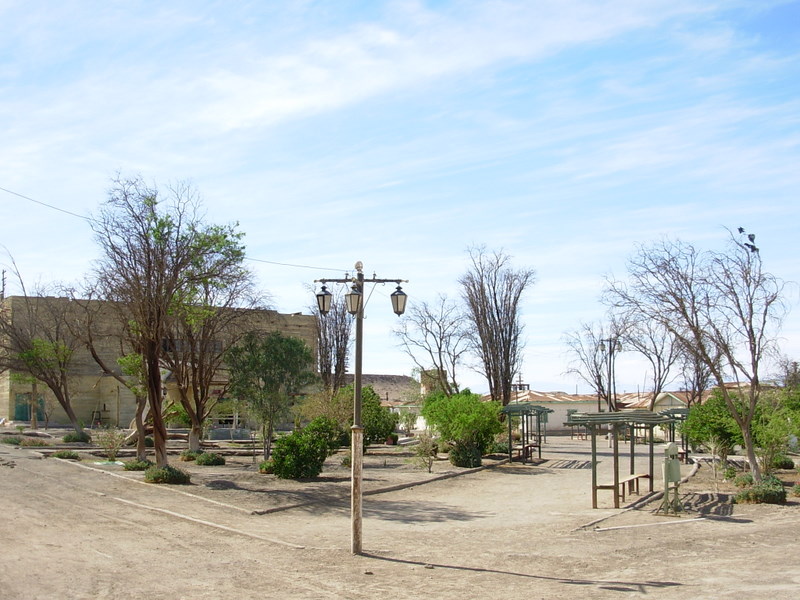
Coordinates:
(533, 426)
(678, 415)
(616, 422)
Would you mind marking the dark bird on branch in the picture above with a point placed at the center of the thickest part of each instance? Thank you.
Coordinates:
(751, 237)
(751, 247)
(741, 229)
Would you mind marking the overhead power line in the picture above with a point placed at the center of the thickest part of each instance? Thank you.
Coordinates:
(90, 220)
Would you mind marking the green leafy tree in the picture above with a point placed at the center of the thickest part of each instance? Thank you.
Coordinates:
(776, 421)
(465, 422)
(712, 425)
(156, 253)
(378, 421)
(266, 371)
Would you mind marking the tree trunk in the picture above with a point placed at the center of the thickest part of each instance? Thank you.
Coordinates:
(750, 451)
(34, 405)
(141, 448)
(154, 396)
(195, 435)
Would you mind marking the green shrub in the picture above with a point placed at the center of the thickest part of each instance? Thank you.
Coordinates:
(166, 474)
(729, 473)
(210, 459)
(769, 491)
(266, 467)
(743, 481)
(782, 462)
(392, 439)
(11, 439)
(467, 455)
(190, 455)
(301, 454)
(465, 422)
(33, 442)
(796, 489)
(66, 454)
(149, 442)
(74, 437)
(137, 465)
(497, 447)
(347, 461)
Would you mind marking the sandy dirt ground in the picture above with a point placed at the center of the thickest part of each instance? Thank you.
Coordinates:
(81, 530)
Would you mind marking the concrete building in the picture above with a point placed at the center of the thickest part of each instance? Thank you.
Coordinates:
(95, 396)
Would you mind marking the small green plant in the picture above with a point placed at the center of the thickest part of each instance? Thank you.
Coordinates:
(190, 455)
(210, 459)
(111, 440)
(266, 467)
(73, 437)
(347, 461)
(769, 491)
(11, 439)
(66, 454)
(149, 442)
(782, 462)
(392, 439)
(166, 474)
(796, 489)
(729, 473)
(137, 465)
(425, 451)
(20, 428)
(743, 481)
(33, 442)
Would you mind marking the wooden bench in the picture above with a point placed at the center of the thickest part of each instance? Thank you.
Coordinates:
(526, 452)
(631, 482)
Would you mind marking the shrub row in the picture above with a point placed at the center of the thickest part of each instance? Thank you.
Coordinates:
(769, 491)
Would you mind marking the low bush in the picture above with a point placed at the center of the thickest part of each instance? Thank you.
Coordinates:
(465, 455)
(11, 439)
(743, 481)
(149, 442)
(497, 447)
(137, 465)
(166, 474)
(190, 455)
(301, 454)
(210, 459)
(769, 491)
(729, 473)
(33, 442)
(74, 437)
(796, 489)
(66, 454)
(782, 462)
(266, 467)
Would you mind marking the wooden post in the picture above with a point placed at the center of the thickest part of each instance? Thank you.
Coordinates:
(593, 431)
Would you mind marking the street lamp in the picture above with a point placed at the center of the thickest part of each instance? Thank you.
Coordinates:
(354, 301)
(609, 350)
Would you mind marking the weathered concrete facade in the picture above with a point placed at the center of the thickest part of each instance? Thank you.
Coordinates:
(95, 396)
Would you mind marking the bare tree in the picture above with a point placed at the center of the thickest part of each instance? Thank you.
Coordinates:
(200, 331)
(35, 338)
(589, 347)
(333, 343)
(155, 257)
(492, 291)
(718, 304)
(435, 338)
(654, 342)
(696, 376)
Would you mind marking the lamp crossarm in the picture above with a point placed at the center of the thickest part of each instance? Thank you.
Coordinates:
(354, 280)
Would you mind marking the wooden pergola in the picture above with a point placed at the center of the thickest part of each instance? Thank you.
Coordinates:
(533, 423)
(615, 421)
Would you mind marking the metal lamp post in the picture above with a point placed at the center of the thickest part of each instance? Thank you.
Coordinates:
(609, 350)
(354, 301)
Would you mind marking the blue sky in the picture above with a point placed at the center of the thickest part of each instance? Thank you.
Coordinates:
(400, 133)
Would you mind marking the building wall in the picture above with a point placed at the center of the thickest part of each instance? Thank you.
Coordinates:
(99, 397)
